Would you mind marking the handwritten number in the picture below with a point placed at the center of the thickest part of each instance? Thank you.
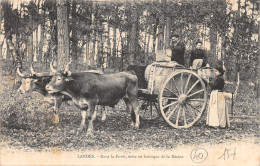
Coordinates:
(198, 155)
(228, 153)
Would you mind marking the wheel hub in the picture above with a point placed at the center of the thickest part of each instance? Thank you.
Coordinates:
(182, 99)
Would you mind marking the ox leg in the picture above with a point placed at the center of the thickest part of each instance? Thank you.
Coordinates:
(92, 116)
(103, 113)
(57, 104)
(134, 116)
(133, 101)
(102, 110)
(83, 120)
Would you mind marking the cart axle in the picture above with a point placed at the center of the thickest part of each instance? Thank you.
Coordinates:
(182, 99)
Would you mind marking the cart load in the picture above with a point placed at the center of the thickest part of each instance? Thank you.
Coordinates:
(157, 72)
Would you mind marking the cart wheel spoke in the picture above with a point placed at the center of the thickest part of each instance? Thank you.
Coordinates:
(151, 109)
(187, 83)
(172, 111)
(170, 98)
(194, 107)
(200, 100)
(170, 104)
(178, 116)
(181, 83)
(184, 117)
(173, 81)
(171, 91)
(143, 104)
(196, 92)
(146, 106)
(193, 86)
(155, 106)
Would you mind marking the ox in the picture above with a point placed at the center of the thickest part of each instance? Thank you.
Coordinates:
(90, 89)
(37, 82)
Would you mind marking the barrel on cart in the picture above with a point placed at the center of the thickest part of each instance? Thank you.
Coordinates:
(168, 90)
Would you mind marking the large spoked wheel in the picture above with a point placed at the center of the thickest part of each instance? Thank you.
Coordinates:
(149, 107)
(182, 99)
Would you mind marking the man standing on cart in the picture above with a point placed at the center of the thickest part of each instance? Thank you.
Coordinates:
(178, 49)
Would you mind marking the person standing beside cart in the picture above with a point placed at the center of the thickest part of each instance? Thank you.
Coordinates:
(217, 114)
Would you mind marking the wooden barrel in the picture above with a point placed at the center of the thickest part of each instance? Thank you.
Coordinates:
(157, 72)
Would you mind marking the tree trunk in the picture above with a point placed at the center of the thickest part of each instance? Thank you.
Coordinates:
(1, 13)
(108, 48)
(94, 38)
(42, 41)
(134, 35)
(1, 17)
(239, 7)
(30, 42)
(155, 33)
(98, 45)
(92, 60)
(86, 51)
(114, 38)
(223, 45)
(102, 46)
(145, 44)
(121, 66)
(223, 52)
(213, 42)
(167, 32)
(7, 52)
(1, 49)
(160, 44)
(147, 50)
(36, 44)
(63, 36)
(258, 65)
(41, 34)
(128, 13)
(74, 47)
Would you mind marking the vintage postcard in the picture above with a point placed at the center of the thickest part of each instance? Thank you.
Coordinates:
(128, 82)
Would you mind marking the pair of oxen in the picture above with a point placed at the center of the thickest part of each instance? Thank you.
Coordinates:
(86, 90)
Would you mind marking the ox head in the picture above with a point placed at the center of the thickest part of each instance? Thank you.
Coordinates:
(58, 82)
(59, 79)
(29, 80)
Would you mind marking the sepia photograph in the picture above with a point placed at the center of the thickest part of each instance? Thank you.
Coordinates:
(129, 82)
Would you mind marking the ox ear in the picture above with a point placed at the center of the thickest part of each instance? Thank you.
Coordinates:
(69, 79)
(33, 75)
(67, 73)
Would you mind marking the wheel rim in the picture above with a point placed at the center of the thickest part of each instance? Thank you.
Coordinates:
(182, 99)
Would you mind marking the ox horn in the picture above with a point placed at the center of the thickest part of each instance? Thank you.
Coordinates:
(19, 72)
(32, 70)
(43, 74)
(52, 68)
(67, 68)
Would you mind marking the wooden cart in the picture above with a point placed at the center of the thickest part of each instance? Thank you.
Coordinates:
(177, 94)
